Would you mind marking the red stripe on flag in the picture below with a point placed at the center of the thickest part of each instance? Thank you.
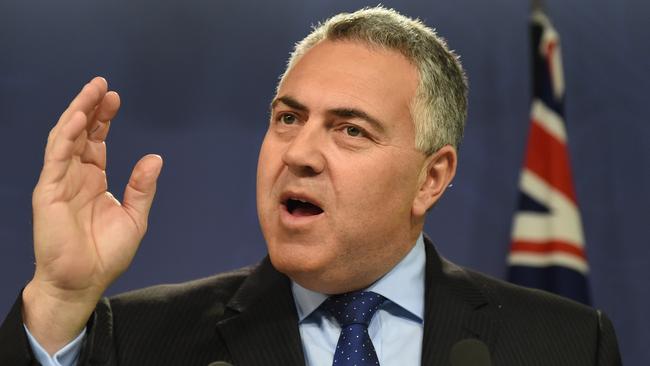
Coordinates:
(549, 246)
(549, 159)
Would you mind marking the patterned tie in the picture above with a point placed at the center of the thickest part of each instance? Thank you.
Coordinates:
(353, 310)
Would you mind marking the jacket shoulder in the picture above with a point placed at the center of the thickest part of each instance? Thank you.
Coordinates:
(174, 308)
(536, 322)
(216, 288)
(521, 300)
(164, 322)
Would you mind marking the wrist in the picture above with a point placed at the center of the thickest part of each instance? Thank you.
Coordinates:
(55, 317)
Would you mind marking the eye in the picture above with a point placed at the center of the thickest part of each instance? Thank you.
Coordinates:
(353, 131)
(288, 119)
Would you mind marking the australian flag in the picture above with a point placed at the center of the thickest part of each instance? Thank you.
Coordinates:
(548, 246)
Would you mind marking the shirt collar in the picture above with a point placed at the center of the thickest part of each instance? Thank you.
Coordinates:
(403, 285)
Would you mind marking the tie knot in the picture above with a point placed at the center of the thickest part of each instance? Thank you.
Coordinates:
(353, 307)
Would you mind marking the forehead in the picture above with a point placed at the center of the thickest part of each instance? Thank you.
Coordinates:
(336, 74)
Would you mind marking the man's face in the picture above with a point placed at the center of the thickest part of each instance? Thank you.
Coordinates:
(338, 170)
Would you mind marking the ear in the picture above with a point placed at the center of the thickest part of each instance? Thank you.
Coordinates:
(437, 172)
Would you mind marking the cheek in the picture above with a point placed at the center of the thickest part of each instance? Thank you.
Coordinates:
(265, 153)
(267, 164)
(386, 185)
(266, 172)
(386, 175)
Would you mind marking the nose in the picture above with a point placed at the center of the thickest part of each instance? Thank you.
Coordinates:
(304, 154)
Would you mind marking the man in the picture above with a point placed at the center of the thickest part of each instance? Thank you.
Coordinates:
(361, 143)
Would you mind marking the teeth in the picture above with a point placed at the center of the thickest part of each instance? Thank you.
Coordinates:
(298, 199)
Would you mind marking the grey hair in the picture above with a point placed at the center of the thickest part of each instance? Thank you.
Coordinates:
(439, 108)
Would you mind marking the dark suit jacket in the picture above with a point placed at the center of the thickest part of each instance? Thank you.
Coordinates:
(248, 317)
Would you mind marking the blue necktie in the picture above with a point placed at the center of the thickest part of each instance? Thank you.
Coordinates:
(353, 311)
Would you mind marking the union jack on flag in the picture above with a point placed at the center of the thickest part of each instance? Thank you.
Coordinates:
(548, 246)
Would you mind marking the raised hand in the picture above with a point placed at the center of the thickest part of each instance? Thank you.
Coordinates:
(83, 237)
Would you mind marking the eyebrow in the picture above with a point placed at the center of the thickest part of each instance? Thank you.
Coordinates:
(291, 102)
(339, 112)
(357, 113)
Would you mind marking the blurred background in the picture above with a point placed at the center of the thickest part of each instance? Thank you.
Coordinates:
(196, 78)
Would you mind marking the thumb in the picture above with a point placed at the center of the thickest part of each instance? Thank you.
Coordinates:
(139, 192)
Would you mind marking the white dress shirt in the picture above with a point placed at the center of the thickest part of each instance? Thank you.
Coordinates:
(396, 329)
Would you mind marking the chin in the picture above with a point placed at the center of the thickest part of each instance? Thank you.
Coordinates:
(314, 271)
(303, 265)
(293, 259)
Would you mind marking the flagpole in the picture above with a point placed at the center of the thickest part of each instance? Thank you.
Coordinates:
(537, 5)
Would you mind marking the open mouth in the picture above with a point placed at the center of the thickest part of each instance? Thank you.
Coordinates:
(299, 207)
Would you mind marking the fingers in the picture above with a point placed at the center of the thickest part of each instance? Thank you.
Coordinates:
(86, 102)
(88, 98)
(91, 109)
(140, 190)
(94, 150)
(94, 153)
(102, 116)
(61, 149)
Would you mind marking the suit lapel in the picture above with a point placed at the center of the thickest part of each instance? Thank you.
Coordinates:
(455, 309)
(263, 328)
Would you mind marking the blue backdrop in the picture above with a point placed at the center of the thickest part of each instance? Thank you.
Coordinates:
(196, 78)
